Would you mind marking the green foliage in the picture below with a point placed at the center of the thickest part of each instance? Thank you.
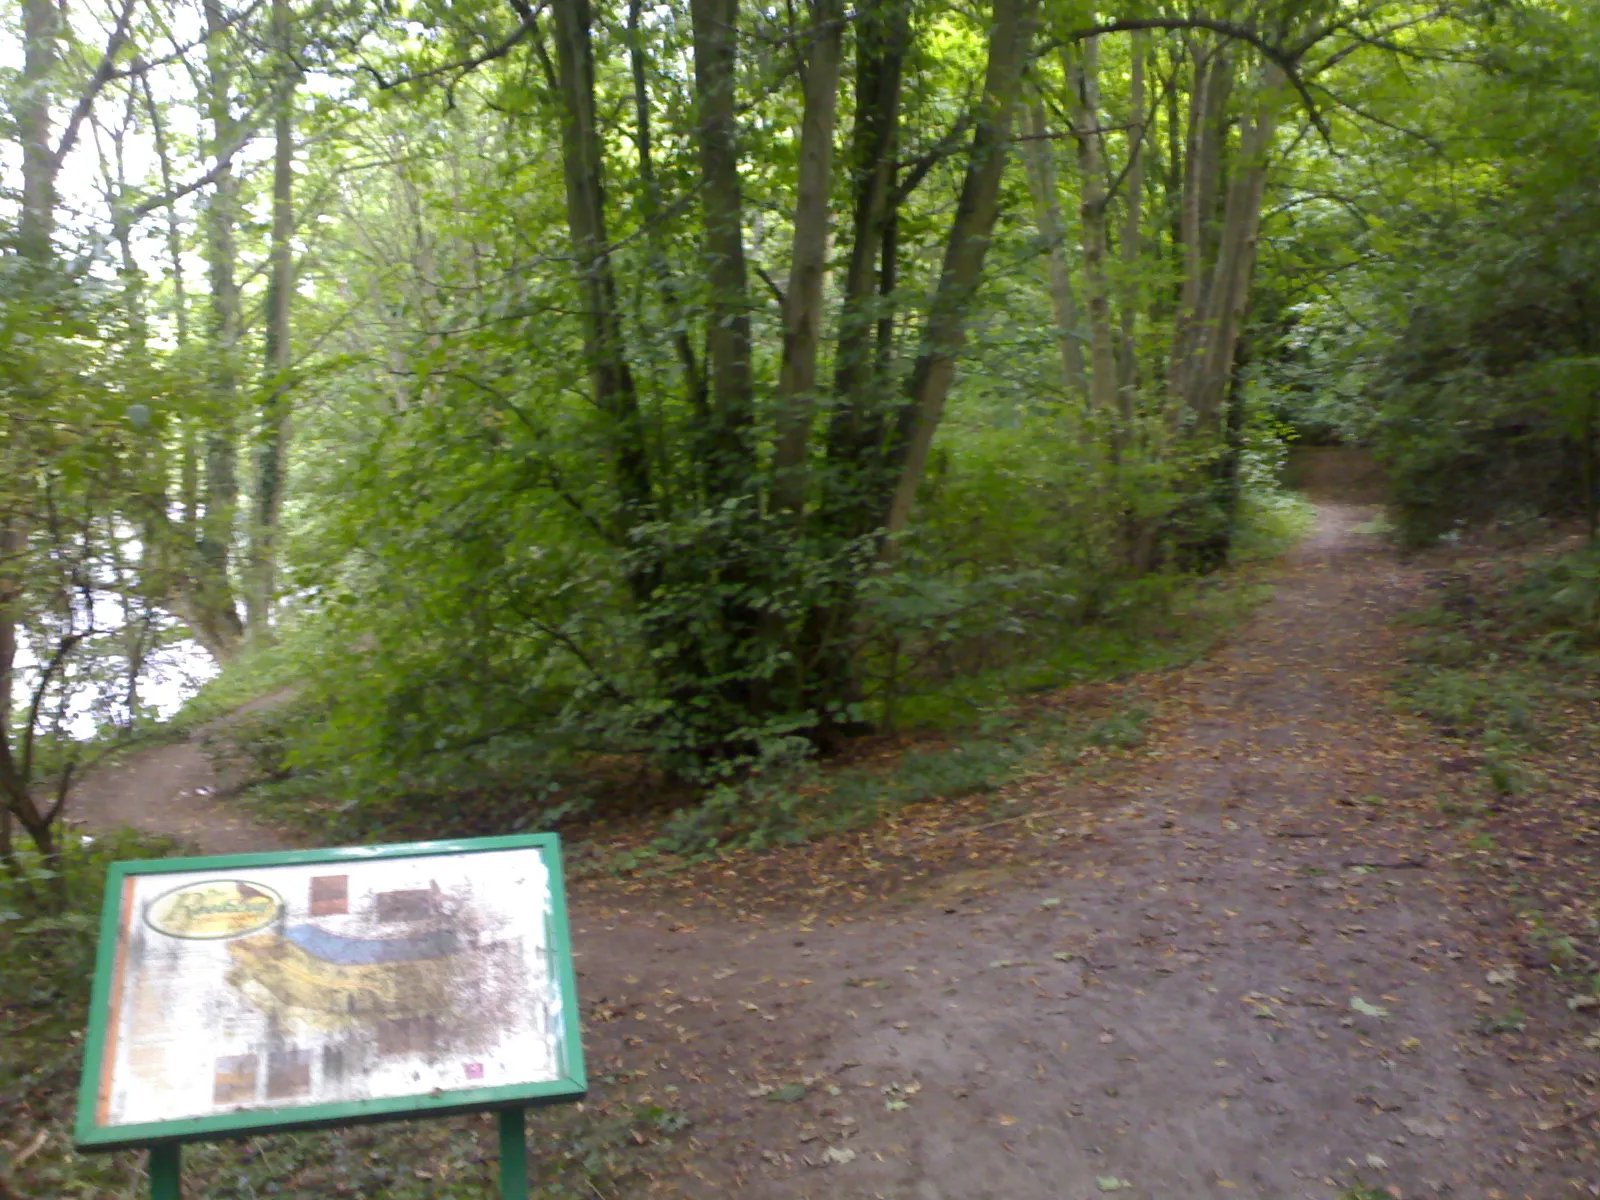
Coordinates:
(1560, 601)
(46, 964)
(1453, 325)
(1496, 664)
(781, 805)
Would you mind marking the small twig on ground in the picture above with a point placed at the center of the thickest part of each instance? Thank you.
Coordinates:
(1575, 1119)
(977, 828)
(1399, 865)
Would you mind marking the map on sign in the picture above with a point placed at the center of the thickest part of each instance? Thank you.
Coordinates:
(351, 978)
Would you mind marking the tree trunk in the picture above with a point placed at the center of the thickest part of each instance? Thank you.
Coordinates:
(1040, 160)
(212, 602)
(856, 427)
(944, 332)
(13, 543)
(1229, 292)
(1207, 139)
(727, 446)
(1132, 230)
(274, 434)
(180, 306)
(650, 208)
(803, 301)
(35, 227)
(610, 378)
(1084, 81)
(41, 27)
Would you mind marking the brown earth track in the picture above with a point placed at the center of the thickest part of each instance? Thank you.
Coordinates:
(1167, 1001)
(1158, 987)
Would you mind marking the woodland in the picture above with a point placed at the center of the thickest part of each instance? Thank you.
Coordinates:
(533, 388)
(790, 449)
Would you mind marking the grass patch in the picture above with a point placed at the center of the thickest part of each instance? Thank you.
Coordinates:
(1507, 662)
(1157, 625)
(806, 801)
(1269, 524)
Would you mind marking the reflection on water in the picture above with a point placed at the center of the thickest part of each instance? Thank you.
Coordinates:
(97, 686)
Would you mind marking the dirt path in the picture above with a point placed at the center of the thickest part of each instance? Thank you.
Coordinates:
(1259, 976)
(1243, 964)
(176, 790)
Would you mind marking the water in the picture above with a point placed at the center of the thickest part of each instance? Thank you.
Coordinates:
(96, 675)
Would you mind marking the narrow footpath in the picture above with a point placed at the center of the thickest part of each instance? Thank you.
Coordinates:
(1250, 961)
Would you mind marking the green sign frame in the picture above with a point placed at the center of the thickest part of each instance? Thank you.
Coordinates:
(163, 1137)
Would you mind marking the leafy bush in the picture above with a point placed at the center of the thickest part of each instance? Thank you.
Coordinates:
(46, 965)
(801, 802)
(1563, 596)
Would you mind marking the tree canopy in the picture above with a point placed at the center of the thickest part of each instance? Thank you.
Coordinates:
(688, 380)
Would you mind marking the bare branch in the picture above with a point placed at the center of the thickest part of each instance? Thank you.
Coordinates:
(97, 82)
(140, 67)
(63, 649)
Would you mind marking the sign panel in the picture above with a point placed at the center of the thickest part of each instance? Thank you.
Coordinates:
(315, 987)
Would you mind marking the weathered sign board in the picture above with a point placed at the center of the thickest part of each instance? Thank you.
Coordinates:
(250, 993)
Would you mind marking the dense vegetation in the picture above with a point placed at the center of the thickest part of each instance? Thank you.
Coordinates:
(530, 388)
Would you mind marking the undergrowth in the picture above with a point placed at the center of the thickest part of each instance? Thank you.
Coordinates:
(1507, 663)
(947, 704)
(806, 801)
(967, 734)
(1501, 654)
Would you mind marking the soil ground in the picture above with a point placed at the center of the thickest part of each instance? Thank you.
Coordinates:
(1250, 959)
(177, 790)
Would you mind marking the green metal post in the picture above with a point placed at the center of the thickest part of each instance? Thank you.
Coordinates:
(513, 1155)
(164, 1172)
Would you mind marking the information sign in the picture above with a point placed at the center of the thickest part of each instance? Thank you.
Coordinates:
(248, 993)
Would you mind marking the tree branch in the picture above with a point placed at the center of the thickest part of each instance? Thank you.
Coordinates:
(64, 648)
(1285, 57)
(529, 18)
(97, 82)
(142, 66)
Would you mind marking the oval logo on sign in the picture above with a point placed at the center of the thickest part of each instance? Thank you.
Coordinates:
(222, 908)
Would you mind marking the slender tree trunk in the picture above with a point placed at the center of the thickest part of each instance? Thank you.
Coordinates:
(850, 504)
(13, 543)
(650, 211)
(1229, 291)
(1206, 142)
(211, 605)
(611, 380)
(1132, 233)
(274, 435)
(1084, 79)
(1040, 159)
(727, 444)
(803, 301)
(856, 427)
(189, 471)
(888, 280)
(41, 27)
(945, 330)
(174, 239)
